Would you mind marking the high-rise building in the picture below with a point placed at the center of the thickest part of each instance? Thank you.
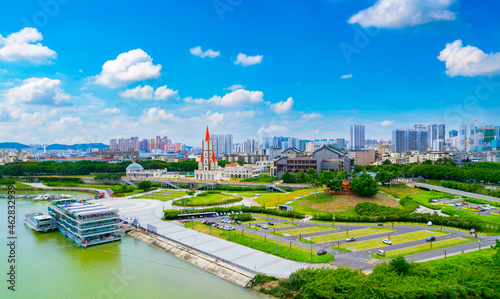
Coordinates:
(436, 132)
(410, 140)
(302, 145)
(357, 136)
(477, 136)
(267, 142)
(341, 143)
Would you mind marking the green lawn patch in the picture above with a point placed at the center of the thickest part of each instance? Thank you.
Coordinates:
(275, 199)
(210, 198)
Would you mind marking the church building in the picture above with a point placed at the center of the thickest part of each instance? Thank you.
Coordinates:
(208, 168)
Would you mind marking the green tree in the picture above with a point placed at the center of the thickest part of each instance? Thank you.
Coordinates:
(364, 185)
(387, 162)
(400, 265)
(288, 178)
(145, 185)
(427, 162)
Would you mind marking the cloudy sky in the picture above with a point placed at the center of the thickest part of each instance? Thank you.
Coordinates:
(87, 71)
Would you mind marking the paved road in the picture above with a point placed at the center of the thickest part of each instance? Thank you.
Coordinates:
(149, 211)
(458, 192)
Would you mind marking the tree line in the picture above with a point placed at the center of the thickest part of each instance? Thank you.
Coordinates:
(483, 172)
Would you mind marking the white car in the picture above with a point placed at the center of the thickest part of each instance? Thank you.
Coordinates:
(387, 241)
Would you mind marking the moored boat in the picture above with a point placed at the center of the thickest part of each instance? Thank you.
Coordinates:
(85, 223)
(39, 222)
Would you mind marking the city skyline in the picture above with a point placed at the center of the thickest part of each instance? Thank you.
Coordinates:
(173, 78)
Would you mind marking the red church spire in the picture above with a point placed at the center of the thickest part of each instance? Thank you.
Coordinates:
(207, 136)
(213, 157)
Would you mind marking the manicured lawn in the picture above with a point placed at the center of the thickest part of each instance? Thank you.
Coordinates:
(424, 247)
(207, 200)
(164, 195)
(338, 203)
(395, 239)
(275, 199)
(295, 253)
(353, 233)
(306, 230)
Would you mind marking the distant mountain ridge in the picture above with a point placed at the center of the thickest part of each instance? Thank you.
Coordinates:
(60, 147)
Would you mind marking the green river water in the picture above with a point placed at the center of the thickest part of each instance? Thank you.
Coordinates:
(48, 265)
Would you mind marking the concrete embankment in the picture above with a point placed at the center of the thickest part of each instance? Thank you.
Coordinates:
(207, 263)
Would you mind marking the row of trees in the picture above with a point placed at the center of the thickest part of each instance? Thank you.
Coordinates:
(486, 172)
(88, 167)
(362, 184)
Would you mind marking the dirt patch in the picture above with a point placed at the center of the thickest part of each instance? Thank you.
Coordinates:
(342, 203)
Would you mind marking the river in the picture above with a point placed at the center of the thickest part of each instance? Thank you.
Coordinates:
(48, 265)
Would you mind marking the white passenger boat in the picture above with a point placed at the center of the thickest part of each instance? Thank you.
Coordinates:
(39, 222)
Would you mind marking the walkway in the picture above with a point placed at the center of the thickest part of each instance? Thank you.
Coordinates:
(458, 192)
(149, 211)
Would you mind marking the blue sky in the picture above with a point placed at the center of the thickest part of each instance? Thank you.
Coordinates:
(74, 72)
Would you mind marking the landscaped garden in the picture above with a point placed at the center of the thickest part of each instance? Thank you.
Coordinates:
(275, 199)
(208, 198)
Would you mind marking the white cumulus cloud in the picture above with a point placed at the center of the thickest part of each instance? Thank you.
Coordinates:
(403, 13)
(135, 65)
(197, 51)
(469, 61)
(149, 93)
(235, 87)
(20, 46)
(348, 76)
(283, 106)
(65, 123)
(163, 93)
(215, 119)
(245, 60)
(237, 97)
(155, 115)
(386, 123)
(40, 91)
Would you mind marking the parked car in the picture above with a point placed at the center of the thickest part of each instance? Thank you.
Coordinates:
(239, 222)
(387, 241)
(350, 239)
(270, 223)
(381, 252)
(431, 238)
(434, 200)
(322, 252)
(258, 225)
(264, 226)
(464, 203)
(203, 221)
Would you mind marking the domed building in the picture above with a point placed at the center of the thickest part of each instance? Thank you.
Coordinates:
(136, 170)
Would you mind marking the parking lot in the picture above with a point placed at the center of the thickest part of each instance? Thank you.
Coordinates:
(461, 204)
(358, 252)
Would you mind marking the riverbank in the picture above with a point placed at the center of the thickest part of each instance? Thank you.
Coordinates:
(221, 269)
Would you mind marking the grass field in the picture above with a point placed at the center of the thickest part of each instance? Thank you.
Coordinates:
(338, 203)
(210, 199)
(396, 239)
(18, 186)
(164, 195)
(424, 247)
(275, 199)
(281, 249)
(306, 230)
(353, 233)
